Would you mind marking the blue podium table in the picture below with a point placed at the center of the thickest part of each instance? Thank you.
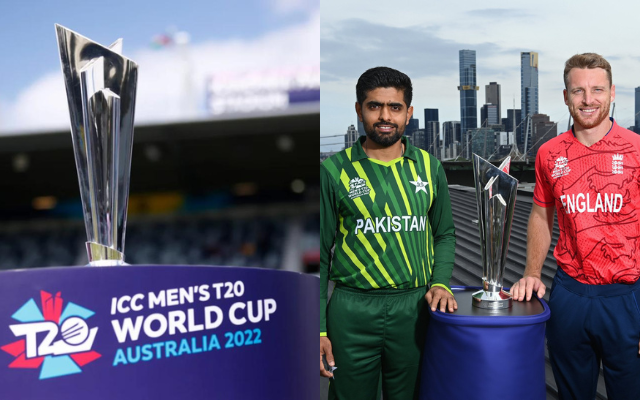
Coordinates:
(158, 332)
(474, 353)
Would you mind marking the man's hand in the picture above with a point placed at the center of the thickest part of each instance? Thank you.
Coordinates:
(325, 349)
(438, 294)
(524, 288)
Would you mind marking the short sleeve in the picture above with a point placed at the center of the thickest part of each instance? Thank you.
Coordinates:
(542, 194)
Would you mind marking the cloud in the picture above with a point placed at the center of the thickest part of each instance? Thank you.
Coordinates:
(415, 50)
(500, 13)
(41, 106)
(172, 82)
(290, 6)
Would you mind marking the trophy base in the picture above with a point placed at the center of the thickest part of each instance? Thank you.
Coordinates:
(103, 256)
(491, 300)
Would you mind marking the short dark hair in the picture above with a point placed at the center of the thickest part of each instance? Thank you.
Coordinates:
(586, 60)
(383, 77)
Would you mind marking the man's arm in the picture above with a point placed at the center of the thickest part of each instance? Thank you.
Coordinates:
(444, 247)
(539, 233)
(328, 223)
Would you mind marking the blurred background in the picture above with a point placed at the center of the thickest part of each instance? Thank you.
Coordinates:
(224, 168)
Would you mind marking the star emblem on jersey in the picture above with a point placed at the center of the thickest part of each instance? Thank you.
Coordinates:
(420, 185)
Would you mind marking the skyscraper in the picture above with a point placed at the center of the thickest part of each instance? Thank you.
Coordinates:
(432, 130)
(528, 89)
(451, 138)
(514, 118)
(637, 115)
(430, 114)
(489, 115)
(542, 130)
(451, 132)
(351, 136)
(492, 96)
(418, 139)
(483, 142)
(414, 125)
(468, 88)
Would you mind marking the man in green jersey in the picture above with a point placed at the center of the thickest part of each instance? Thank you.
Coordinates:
(385, 211)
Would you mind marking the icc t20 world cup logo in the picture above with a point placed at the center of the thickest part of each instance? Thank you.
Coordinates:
(56, 340)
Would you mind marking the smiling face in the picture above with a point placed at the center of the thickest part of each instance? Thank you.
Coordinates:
(589, 95)
(384, 115)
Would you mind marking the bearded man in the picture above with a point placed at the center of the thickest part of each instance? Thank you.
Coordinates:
(591, 174)
(385, 210)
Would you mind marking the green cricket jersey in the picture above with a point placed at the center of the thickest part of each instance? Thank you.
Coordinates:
(389, 223)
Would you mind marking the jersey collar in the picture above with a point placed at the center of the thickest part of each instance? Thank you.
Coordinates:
(613, 122)
(358, 153)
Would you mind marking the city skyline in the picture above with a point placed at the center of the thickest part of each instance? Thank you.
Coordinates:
(424, 42)
(488, 113)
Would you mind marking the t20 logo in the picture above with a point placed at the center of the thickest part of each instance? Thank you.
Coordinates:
(57, 341)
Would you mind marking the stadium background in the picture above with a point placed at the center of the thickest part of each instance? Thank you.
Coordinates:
(227, 181)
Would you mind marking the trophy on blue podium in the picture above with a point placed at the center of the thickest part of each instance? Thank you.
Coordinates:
(101, 91)
(496, 192)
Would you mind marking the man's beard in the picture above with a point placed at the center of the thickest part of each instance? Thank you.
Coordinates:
(602, 115)
(387, 139)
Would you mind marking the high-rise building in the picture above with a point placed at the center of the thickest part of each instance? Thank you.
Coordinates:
(351, 136)
(542, 130)
(489, 115)
(637, 115)
(361, 128)
(468, 89)
(451, 132)
(483, 142)
(451, 139)
(418, 139)
(432, 129)
(514, 119)
(492, 96)
(430, 114)
(432, 138)
(528, 88)
(412, 126)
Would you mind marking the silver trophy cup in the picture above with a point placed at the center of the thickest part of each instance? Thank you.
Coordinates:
(101, 91)
(496, 192)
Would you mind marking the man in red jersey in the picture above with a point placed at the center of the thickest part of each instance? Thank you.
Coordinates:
(591, 175)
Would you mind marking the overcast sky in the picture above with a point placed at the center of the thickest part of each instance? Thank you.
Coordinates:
(242, 36)
(423, 38)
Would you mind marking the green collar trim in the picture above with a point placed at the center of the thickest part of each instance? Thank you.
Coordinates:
(357, 152)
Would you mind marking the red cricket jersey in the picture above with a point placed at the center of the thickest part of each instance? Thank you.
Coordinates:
(596, 192)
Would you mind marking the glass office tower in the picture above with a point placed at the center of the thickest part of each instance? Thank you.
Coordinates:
(468, 89)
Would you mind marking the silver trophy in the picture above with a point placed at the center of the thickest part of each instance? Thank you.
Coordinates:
(101, 91)
(496, 192)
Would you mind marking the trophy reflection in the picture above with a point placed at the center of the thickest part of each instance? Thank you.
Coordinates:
(496, 192)
(101, 91)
